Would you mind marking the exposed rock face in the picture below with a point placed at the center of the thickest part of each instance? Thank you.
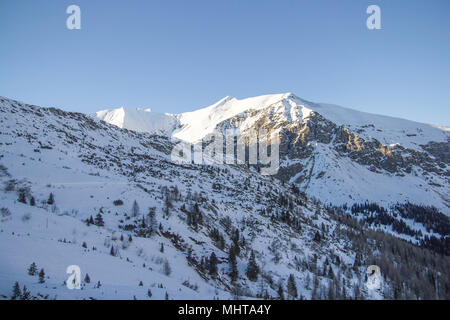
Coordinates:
(330, 161)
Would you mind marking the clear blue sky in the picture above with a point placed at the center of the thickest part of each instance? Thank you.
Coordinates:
(174, 56)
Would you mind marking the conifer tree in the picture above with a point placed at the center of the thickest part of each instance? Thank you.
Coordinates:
(212, 266)
(17, 294)
(42, 276)
(51, 199)
(252, 268)
(87, 279)
(291, 286)
(280, 291)
(32, 270)
(234, 273)
(99, 220)
(26, 295)
(135, 209)
(22, 197)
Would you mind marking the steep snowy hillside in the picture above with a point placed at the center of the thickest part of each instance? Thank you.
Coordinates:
(338, 155)
(78, 191)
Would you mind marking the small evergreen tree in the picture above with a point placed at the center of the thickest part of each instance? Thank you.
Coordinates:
(32, 270)
(90, 221)
(149, 293)
(317, 236)
(22, 197)
(291, 286)
(87, 279)
(26, 295)
(166, 268)
(135, 209)
(17, 294)
(41, 276)
(32, 201)
(212, 266)
(280, 291)
(234, 273)
(99, 220)
(252, 268)
(51, 199)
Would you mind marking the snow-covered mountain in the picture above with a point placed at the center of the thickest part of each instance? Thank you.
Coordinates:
(140, 120)
(79, 191)
(338, 155)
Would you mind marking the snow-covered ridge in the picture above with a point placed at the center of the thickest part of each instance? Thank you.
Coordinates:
(140, 120)
(193, 126)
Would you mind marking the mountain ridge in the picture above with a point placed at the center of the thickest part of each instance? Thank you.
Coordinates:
(336, 154)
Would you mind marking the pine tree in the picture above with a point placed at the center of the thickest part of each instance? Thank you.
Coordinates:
(41, 276)
(161, 248)
(167, 206)
(212, 266)
(291, 286)
(234, 273)
(315, 290)
(166, 268)
(167, 296)
(32, 270)
(235, 239)
(87, 279)
(22, 197)
(51, 199)
(149, 293)
(26, 295)
(280, 291)
(99, 220)
(152, 223)
(17, 294)
(32, 201)
(112, 251)
(317, 237)
(252, 268)
(135, 209)
(141, 284)
(89, 221)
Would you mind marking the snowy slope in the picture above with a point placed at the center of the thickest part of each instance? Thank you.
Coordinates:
(88, 164)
